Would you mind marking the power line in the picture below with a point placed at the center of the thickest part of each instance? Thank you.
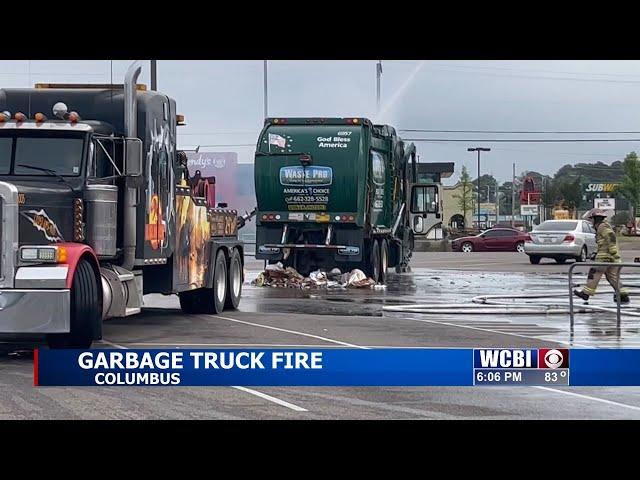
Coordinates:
(435, 65)
(562, 132)
(522, 140)
(489, 67)
(51, 73)
(607, 155)
(231, 145)
(543, 152)
(208, 134)
(538, 77)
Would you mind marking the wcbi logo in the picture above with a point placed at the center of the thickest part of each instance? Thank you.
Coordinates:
(521, 358)
(505, 358)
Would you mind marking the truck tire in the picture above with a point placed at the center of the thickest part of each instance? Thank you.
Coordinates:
(234, 281)
(86, 310)
(220, 290)
(373, 261)
(208, 300)
(384, 260)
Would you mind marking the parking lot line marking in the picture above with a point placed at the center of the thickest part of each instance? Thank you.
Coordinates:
(310, 335)
(272, 399)
(391, 407)
(589, 397)
(244, 389)
(252, 345)
(113, 344)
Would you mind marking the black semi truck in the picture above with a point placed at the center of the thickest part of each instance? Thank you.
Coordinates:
(98, 208)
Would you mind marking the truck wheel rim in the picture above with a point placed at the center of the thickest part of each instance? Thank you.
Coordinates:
(235, 275)
(384, 260)
(376, 267)
(220, 286)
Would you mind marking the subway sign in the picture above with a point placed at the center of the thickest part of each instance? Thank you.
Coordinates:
(601, 187)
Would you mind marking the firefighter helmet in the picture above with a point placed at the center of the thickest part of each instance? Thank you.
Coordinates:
(593, 213)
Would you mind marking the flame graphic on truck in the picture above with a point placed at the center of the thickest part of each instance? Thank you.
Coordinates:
(43, 223)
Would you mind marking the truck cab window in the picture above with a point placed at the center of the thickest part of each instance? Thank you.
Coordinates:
(107, 152)
(62, 155)
(6, 145)
(423, 199)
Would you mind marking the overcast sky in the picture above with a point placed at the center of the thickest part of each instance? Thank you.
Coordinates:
(223, 102)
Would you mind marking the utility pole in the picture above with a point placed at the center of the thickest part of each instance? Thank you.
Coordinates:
(478, 149)
(378, 78)
(513, 194)
(543, 217)
(488, 202)
(497, 205)
(266, 96)
(154, 75)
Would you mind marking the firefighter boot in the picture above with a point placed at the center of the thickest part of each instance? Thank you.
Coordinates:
(581, 294)
(624, 298)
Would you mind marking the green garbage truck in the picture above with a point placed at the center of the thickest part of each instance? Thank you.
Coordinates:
(339, 192)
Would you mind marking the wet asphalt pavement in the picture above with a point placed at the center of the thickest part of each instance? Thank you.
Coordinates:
(272, 318)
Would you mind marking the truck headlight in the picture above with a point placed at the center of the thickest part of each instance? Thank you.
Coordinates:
(48, 254)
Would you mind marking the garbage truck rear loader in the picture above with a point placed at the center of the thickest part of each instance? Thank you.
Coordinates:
(336, 192)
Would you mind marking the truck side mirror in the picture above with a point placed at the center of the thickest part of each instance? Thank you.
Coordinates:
(133, 157)
(418, 224)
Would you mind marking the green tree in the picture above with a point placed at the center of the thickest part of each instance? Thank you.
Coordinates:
(465, 197)
(505, 199)
(550, 192)
(630, 186)
(571, 192)
(486, 180)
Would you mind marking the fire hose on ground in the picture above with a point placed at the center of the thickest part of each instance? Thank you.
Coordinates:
(531, 304)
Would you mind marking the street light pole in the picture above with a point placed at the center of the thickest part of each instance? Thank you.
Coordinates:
(478, 149)
(513, 195)
(378, 78)
(154, 75)
(497, 199)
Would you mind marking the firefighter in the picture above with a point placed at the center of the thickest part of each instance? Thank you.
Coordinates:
(607, 252)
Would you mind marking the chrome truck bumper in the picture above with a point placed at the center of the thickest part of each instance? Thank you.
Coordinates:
(32, 299)
(34, 311)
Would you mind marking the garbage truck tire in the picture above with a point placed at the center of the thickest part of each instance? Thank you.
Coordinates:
(384, 260)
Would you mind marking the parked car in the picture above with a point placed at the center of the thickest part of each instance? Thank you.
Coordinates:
(495, 239)
(561, 240)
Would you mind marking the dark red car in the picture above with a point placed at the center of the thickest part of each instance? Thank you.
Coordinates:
(495, 239)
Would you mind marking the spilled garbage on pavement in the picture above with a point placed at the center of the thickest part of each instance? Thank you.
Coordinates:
(276, 275)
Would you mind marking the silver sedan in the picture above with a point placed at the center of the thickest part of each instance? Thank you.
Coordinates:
(561, 240)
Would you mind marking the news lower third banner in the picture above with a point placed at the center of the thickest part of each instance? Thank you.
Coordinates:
(338, 367)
